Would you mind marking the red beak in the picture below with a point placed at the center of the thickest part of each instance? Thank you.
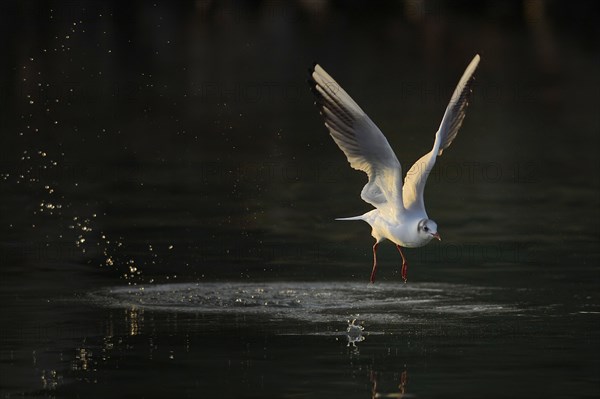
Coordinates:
(436, 235)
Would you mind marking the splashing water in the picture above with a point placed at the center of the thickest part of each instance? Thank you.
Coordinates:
(46, 171)
(354, 333)
(388, 303)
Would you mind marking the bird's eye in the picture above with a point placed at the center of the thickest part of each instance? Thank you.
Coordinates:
(426, 228)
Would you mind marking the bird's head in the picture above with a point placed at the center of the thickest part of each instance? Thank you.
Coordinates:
(428, 229)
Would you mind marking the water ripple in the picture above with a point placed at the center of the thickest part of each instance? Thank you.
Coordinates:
(384, 302)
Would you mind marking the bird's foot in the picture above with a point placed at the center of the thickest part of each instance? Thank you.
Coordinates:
(405, 272)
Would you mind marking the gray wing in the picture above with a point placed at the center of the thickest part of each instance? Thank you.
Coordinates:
(414, 183)
(360, 139)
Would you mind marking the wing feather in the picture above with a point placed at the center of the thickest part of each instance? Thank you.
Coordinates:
(364, 145)
(414, 183)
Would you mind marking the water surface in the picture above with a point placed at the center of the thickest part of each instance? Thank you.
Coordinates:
(168, 194)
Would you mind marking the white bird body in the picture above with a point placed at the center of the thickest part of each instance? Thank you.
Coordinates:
(396, 230)
(399, 215)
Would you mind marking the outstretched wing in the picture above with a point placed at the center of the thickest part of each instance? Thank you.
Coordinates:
(360, 139)
(414, 183)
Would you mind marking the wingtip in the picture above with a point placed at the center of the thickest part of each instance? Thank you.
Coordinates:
(311, 70)
(473, 65)
(313, 67)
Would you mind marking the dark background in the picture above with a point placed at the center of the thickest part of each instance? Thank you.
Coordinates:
(152, 142)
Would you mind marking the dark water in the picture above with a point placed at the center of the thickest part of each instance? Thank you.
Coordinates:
(167, 196)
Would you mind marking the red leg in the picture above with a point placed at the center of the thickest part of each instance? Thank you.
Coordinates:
(374, 271)
(404, 264)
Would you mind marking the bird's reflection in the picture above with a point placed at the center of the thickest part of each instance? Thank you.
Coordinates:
(355, 334)
(401, 386)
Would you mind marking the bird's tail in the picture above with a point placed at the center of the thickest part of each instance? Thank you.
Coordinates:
(368, 217)
(352, 218)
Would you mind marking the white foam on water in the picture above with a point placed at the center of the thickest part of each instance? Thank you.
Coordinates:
(385, 302)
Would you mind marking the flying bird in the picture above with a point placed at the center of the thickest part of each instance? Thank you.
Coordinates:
(399, 215)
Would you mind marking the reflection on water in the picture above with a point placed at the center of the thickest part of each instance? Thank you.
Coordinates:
(83, 359)
(135, 318)
(271, 342)
(402, 386)
(50, 380)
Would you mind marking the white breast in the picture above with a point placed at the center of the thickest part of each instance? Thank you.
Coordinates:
(403, 233)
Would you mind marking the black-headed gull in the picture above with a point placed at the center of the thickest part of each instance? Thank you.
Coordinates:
(399, 214)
